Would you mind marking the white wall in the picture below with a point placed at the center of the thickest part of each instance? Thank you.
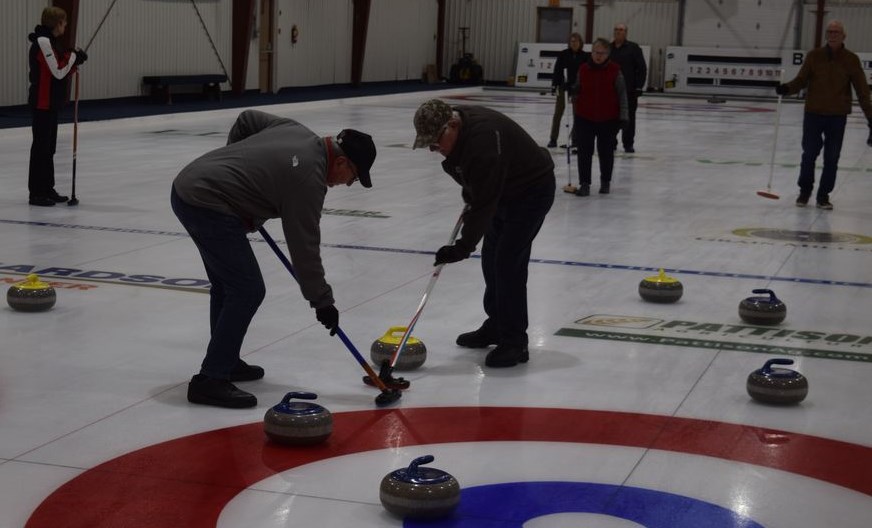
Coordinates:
(147, 37)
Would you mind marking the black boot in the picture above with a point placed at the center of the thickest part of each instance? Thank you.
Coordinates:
(477, 339)
(506, 356)
(57, 197)
(42, 201)
(245, 372)
(218, 392)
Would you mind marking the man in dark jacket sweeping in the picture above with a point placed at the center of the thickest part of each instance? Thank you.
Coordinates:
(508, 185)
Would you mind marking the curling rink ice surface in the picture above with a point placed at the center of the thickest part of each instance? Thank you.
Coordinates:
(628, 414)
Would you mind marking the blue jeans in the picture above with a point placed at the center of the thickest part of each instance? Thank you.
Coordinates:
(237, 284)
(820, 131)
(505, 256)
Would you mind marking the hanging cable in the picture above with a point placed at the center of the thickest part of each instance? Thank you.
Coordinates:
(217, 55)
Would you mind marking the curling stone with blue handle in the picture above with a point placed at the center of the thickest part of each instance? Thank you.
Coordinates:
(413, 355)
(661, 288)
(419, 493)
(767, 310)
(298, 423)
(777, 385)
(31, 295)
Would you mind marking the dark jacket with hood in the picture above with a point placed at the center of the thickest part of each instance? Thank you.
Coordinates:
(50, 67)
(495, 161)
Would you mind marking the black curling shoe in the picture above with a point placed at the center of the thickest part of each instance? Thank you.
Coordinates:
(219, 393)
(504, 356)
(57, 198)
(245, 372)
(476, 339)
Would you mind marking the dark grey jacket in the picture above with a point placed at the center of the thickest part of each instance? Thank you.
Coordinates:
(271, 167)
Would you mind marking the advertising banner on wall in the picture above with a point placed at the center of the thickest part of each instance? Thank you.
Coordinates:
(535, 64)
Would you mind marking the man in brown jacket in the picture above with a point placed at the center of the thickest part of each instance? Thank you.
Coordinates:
(828, 74)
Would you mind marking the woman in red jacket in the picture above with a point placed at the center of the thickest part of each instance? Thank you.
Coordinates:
(50, 70)
(600, 107)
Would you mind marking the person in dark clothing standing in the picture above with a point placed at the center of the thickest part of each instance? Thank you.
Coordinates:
(508, 186)
(271, 167)
(629, 57)
(50, 70)
(828, 73)
(600, 108)
(565, 70)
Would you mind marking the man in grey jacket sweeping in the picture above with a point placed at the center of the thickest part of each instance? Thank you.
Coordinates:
(271, 167)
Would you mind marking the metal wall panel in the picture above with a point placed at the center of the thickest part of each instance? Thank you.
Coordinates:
(401, 39)
(150, 37)
(653, 23)
(17, 20)
(856, 16)
(496, 28)
(751, 24)
(322, 54)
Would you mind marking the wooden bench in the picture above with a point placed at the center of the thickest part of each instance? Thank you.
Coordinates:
(159, 85)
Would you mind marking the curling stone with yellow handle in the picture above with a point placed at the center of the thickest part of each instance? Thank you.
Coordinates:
(661, 288)
(31, 295)
(413, 355)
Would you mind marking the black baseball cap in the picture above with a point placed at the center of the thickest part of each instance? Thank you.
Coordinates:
(360, 150)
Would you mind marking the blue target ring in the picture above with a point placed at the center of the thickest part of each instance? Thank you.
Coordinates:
(510, 505)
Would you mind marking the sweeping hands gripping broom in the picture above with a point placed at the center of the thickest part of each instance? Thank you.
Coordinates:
(387, 396)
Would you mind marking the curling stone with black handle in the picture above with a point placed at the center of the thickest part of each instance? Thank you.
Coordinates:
(767, 310)
(777, 385)
(298, 423)
(419, 493)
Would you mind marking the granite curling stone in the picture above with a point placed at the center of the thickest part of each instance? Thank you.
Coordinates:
(419, 493)
(298, 423)
(661, 288)
(777, 385)
(762, 310)
(413, 355)
(31, 295)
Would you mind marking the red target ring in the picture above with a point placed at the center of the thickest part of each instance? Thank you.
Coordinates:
(188, 481)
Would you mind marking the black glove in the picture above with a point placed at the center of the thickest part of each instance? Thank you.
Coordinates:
(449, 254)
(81, 57)
(782, 89)
(329, 317)
(567, 87)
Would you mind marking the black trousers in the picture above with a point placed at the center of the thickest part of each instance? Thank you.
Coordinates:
(505, 256)
(41, 178)
(628, 133)
(604, 134)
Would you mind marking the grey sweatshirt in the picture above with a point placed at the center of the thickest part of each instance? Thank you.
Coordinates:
(271, 167)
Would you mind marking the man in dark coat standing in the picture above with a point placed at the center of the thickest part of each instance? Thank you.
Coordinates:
(629, 57)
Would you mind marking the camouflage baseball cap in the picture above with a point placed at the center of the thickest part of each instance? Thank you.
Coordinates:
(429, 120)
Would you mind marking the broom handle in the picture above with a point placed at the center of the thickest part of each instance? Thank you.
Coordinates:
(430, 285)
(775, 136)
